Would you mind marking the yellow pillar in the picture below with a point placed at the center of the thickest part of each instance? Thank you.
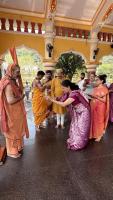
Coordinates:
(91, 67)
(92, 64)
(49, 62)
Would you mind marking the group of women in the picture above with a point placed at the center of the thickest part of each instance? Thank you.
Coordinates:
(89, 116)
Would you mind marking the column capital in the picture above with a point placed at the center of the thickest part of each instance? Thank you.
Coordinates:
(49, 35)
(94, 37)
(49, 26)
(49, 64)
(92, 66)
(93, 40)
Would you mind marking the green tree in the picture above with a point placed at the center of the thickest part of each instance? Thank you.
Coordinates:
(70, 63)
(106, 67)
(29, 62)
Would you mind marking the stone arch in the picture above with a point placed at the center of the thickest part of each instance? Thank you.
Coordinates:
(78, 71)
(74, 52)
(26, 47)
(106, 55)
(27, 67)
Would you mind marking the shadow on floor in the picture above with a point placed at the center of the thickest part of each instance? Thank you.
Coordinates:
(48, 171)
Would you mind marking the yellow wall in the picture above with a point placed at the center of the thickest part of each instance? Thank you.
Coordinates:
(104, 49)
(63, 45)
(72, 25)
(8, 40)
(107, 30)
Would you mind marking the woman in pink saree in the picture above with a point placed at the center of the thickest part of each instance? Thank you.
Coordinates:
(99, 109)
(80, 115)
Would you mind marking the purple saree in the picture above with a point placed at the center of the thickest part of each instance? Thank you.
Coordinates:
(80, 122)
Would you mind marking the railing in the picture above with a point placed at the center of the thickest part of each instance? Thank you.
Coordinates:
(20, 26)
(36, 28)
(83, 34)
(71, 32)
(105, 37)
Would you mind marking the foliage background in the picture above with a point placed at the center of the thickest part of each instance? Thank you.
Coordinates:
(29, 62)
(71, 64)
(106, 67)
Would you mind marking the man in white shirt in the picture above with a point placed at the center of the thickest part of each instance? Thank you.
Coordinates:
(81, 82)
(27, 90)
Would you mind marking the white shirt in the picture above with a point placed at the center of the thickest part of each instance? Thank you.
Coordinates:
(27, 88)
(80, 84)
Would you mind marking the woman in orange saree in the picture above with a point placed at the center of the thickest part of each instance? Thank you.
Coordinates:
(39, 102)
(99, 109)
(12, 112)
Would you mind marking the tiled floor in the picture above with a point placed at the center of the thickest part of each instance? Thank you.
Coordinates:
(48, 171)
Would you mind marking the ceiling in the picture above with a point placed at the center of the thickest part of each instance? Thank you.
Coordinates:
(109, 21)
(81, 11)
(37, 6)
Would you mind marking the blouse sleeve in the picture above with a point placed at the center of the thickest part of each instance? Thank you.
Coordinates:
(63, 98)
(73, 95)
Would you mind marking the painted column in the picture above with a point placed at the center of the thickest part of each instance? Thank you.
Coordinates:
(92, 64)
(91, 67)
(49, 62)
(49, 38)
(49, 41)
(93, 46)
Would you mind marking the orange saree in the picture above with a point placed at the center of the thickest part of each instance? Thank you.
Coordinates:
(39, 106)
(99, 113)
(12, 116)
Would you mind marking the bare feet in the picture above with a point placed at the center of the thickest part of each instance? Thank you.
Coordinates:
(57, 126)
(98, 139)
(43, 126)
(37, 128)
(13, 155)
(21, 149)
(62, 127)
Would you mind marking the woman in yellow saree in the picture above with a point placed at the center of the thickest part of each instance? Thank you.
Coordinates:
(39, 102)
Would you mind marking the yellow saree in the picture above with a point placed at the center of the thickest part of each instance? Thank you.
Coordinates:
(39, 106)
